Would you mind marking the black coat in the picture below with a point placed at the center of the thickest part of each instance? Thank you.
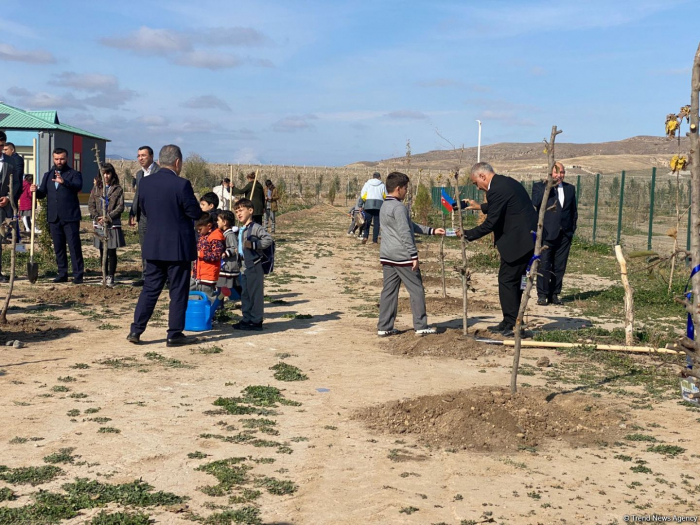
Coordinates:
(557, 219)
(510, 217)
(6, 173)
(258, 196)
(168, 203)
(19, 174)
(61, 203)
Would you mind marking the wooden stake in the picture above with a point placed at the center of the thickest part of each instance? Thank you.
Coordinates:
(629, 299)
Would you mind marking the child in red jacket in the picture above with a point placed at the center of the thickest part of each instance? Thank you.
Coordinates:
(25, 203)
(210, 248)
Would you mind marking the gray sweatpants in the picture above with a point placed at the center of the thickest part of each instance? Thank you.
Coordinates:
(389, 301)
(252, 294)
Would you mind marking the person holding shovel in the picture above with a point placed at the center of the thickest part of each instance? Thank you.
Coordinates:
(108, 226)
(255, 192)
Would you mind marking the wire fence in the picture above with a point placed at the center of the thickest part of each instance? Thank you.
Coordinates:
(637, 209)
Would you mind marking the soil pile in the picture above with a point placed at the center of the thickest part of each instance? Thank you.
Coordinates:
(89, 294)
(450, 343)
(34, 330)
(446, 305)
(492, 420)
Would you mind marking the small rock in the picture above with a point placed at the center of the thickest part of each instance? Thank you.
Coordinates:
(543, 362)
(622, 425)
(18, 344)
(520, 435)
(9, 343)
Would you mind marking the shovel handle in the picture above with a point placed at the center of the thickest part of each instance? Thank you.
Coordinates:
(33, 225)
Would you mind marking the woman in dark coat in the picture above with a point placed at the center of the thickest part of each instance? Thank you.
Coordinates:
(109, 227)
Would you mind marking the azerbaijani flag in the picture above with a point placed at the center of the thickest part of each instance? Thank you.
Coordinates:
(447, 201)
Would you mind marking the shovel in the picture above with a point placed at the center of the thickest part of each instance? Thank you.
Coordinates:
(32, 267)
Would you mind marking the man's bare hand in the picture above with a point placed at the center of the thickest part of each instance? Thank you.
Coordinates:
(32, 188)
(473, 205)
(414, 267)
(132, 220)
(439, 231)
(57, 178)
(4, 201)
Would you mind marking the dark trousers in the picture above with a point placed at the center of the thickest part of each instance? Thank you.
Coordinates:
(62, 233)
(372, 217)
(178, 274)
(111, 260)
(258, 219)
(142, 237)
(510, 275)
(553, 266)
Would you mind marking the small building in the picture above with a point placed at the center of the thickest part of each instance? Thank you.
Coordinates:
(36, 134)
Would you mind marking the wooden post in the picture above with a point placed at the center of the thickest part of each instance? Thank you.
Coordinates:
(466, 275)
(629, 299)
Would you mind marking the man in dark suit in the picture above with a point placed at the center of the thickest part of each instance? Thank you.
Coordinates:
(145, 158)
(169, 248)
(7, 169)
(61, 186)
(18, 160)
(258, 197)
(511, 218)
(560, 220)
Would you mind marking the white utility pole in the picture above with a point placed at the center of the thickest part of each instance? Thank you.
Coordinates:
(478, 147)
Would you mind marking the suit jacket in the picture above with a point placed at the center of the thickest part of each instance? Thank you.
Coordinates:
(560, 218)
(511, 218)
(134, 211)
(6, 173)
(19, 175)
(258, 196)
(168, 203)
(61, 203)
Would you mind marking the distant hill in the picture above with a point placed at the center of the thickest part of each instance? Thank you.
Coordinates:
(117, 157)
(636, 153)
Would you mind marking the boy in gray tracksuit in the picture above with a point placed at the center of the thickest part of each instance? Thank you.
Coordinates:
(399, 258)
(252, 240)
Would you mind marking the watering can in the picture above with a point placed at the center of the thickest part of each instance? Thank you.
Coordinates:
(200, 312)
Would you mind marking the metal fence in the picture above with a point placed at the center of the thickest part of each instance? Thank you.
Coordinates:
(636, 209)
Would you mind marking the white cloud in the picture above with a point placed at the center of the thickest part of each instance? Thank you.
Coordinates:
(407, 114)
(207, 60)
(107, 93)
(294, 123)
(150, 41)
(231, 37)
(10, 53)
(42, 100)
(246, 155)
(206, 102)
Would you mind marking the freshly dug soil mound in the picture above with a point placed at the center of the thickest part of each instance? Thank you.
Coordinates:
(450, 343)
(446, 306)
(491, 420)
(34, 329)
(88, 294)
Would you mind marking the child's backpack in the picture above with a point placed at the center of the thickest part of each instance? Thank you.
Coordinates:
(267, 256)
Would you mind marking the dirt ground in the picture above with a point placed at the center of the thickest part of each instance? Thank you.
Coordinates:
(397, 430)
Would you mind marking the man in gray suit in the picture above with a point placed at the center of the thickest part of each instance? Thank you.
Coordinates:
(148, 166)
(7, 170)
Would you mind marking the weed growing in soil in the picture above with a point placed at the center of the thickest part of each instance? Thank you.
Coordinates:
(197, 455)
(108, 326)
(121, 518)
(285, 372)
(122, 362)
(297, 316)
(80, 366)
(60, 388)
(244, 516)
(100, 420)
(640, 437)
(666, 450)
(78, 395)
(7, 494)
(256, 400)
(165, 361)
(408, 510)
(208, 350)
(29, 475)
(62, 456)
(109, 430)
(93, 410)
(73, 413)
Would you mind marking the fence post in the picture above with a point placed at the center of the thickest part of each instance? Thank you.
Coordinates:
(619, 211)
(595, 205)
(578, 189)
(690, 203)
(651, 207)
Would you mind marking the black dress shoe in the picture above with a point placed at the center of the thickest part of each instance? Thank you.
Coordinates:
(241, 325)
(137, 283)
(78, 280)
(4, 279)
(63, 279)
(497, 327)
(556, 300)
(133, 337)
(253, 327)
(181, 340)
(542, 300)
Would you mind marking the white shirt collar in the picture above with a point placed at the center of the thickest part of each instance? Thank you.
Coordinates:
(148, 171)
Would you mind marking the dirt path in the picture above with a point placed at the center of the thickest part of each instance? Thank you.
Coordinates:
(343, 472)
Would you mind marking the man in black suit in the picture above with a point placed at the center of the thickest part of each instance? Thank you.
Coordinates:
(169, 204)
(511, 218)
(145, 158)
(7, 170)
(560, 220)
(61, 186)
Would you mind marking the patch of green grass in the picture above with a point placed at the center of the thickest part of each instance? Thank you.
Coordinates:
(165, 361)
(7, 494)
(258, 423)
(197, 455)
(409, 510)
(297, 316)
(121, 518)
(641, 469)
(93, 410)
(285, 372)
(100, 420)
(29, 475)
(60, 388)
(534, 495)
(230, 473)
(640, 437)
(245, 516)
(277, 487)
(121, 362)
(64, 455)
(208, 350)
(246, 496)
(80, 366)
(78, 395)
(109, 430)
(622, 457)
(73, 412)
(666, 450)
(108, 326)
(18, 440)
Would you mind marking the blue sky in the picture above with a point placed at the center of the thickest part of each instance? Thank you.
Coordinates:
(330, 83)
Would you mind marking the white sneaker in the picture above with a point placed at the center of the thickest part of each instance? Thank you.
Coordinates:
(349, 234)
(387, 333)
(426, 331)
(109, 281)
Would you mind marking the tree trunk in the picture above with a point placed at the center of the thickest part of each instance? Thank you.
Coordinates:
(13, 255)
(629, 298)
(466, 275)
(695, 195)
(534, 264)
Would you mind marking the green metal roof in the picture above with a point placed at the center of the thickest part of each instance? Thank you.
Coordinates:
(48, 116)
(15, 118)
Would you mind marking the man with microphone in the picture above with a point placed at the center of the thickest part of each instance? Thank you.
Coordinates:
(61, 186)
